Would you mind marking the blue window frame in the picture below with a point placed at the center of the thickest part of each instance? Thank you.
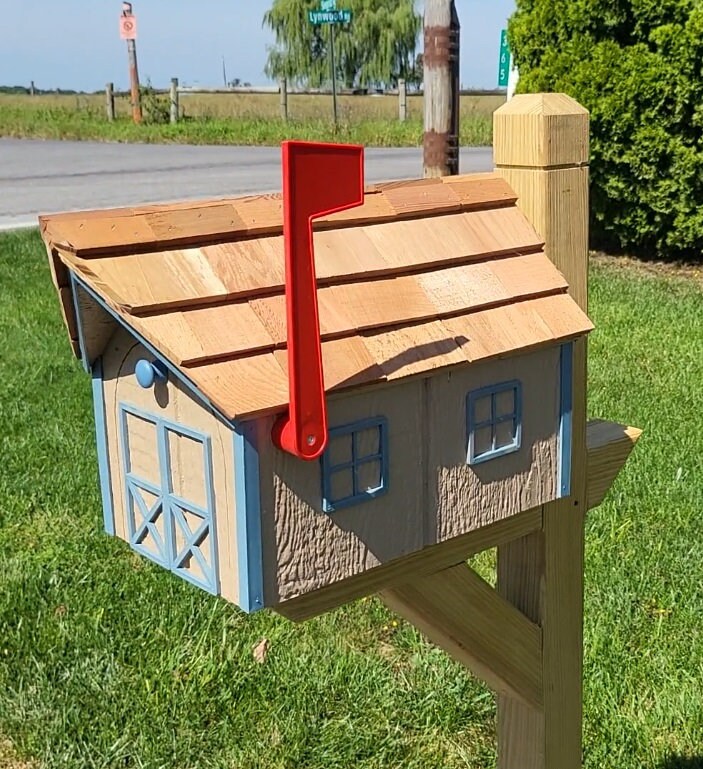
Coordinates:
(494, 417)
(355, 464)
(172, 531)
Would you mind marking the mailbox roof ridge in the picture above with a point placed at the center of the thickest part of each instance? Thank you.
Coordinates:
(159, 227)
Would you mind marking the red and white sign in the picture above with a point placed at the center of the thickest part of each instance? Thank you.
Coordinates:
(128, 27)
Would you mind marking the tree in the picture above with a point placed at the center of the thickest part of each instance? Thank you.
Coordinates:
(378, 47)
(636, 65)
(415, 77)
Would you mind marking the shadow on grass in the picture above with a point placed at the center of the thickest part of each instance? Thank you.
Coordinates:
(682, 762)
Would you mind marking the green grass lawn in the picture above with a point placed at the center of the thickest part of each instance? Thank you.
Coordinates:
(107, 661)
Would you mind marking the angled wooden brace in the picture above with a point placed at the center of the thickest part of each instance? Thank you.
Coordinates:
(462, 614)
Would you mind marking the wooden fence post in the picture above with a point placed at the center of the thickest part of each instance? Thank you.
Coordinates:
(541, 149)
(110, 101)
(283, 90)
(402, 101)
(174, 114)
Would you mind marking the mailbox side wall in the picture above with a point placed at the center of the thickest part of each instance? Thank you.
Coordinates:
(433, 495)
(305, 548)
(175, 403)
(464, 498)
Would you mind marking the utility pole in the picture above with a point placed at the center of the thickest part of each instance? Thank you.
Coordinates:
(442, 88)
(128, 32)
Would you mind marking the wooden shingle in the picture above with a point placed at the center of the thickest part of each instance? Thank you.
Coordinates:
(425, 275)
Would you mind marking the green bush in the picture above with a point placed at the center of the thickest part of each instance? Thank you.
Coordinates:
(637, 65)
(156, 107)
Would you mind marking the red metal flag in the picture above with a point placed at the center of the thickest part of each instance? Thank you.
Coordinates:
(318, 179)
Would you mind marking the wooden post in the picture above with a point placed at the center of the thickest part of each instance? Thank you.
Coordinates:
(333, 75)
(174, 100)
(283, 91)
(402, 101)
(541, 148)
(441, 68)
(134, 81)
(110, 101)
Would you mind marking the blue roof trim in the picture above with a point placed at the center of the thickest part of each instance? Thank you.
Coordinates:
(566, 365)
(149, 346)
(248, 512)
(79, 320)
(101, 441)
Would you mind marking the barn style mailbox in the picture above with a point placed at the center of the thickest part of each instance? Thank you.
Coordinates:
(293, 420)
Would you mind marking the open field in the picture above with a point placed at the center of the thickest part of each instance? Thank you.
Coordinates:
(262, 105)
(107, 661)
(237, 119)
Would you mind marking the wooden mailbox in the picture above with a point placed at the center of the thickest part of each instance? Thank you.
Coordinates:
(452, 331)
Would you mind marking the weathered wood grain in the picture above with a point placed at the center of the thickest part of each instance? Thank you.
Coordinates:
(97, 325)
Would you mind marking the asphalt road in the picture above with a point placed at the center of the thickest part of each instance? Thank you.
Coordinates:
(47, 176)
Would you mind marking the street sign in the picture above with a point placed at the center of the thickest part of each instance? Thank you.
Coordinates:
(330, 17)
(327, 13)
(504, 60)
(128, 27)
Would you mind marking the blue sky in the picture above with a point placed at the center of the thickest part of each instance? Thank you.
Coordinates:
(75, 43)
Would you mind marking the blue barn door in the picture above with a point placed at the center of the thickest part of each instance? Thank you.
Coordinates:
(170, 507)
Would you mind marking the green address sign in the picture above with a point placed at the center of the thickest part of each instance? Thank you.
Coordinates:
(504, 60)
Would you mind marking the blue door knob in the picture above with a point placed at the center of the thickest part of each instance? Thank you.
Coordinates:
(148, 373)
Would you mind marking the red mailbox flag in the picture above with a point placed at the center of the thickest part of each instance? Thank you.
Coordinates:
(318, 179)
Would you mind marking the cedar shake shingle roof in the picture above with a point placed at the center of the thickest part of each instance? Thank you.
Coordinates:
(424, 275)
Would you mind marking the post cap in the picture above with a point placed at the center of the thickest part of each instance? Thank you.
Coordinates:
(541, 130)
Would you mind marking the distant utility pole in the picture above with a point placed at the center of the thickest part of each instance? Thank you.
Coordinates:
(442, 88)
(224, 71)
(128, 32)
